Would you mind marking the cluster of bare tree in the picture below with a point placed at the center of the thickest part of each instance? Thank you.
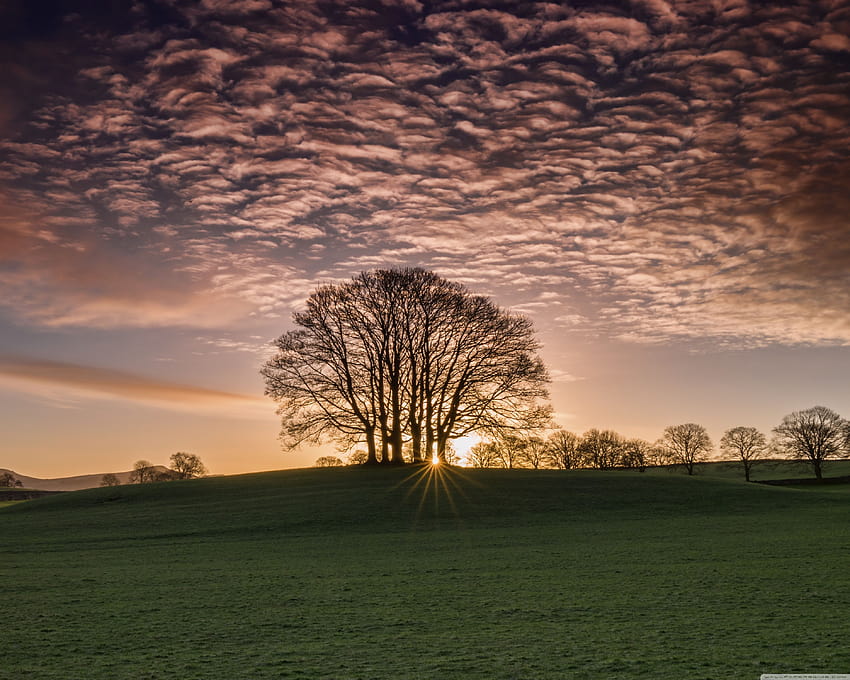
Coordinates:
(812, 435)
(402, 359)
(7, 479)
(595, 449)
(183, 466)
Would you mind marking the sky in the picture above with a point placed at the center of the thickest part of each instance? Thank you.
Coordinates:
(663, 187)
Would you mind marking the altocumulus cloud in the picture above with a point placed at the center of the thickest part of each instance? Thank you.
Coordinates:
(651, 170)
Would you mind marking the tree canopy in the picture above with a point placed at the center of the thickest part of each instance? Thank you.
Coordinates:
(397, 356)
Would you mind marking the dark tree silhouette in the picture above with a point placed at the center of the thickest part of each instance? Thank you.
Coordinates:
(601, 450)
(746, 444)
(563, 450)
(686, 445)
(109, 479)
(813, 435)
(328, 461)
(143, 472)
(7, 479)
(637, 454)
(404, 356)
(186, 466)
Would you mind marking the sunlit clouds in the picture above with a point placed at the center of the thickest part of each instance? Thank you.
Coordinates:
(658, 171)
(69, 383)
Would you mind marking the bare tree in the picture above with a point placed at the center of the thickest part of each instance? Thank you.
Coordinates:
(187, 465)
(533, 453)
(746, 444)
(328, 461)
(509, 449)
(7, 479)
(601, 449)
(143, 472)
(110, 479)
(563, 450)
(814, 435)
(686, 445)
(637, 454)
(485, 455)
(396, 356)
(358, 457)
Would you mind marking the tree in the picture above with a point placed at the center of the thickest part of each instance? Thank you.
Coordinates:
(401, 356)
(815, 435)
(637, 454)
(563, 451)
(143, 472)
(7, 479)
(110, 479)
(358, 457)
(328, 461)
(601, 450)
(533, 453)
(686, 445)
(485, 455)
(187, 466)
(746, 444)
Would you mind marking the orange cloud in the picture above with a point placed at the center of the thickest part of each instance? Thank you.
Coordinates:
(65, 380)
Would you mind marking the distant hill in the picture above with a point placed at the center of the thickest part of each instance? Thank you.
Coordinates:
(71, 483)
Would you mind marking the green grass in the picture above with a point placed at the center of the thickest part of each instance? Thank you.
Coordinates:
(356, 573)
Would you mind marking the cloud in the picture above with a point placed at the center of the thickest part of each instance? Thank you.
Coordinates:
(66, 381)
(667, 173)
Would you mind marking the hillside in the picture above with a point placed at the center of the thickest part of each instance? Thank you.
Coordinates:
(394, 573)
(70, 483)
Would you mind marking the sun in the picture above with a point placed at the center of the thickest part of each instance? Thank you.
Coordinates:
(435, 459)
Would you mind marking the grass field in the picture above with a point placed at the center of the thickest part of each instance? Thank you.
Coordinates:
(359, 573)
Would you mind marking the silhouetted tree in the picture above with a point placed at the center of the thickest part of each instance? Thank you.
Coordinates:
(746, 444)
(7, 479)
(358, 457)
(485, 455)
(814, 435)
(686, 445)
(563, 450)
(109, 479)
(637, 454)
(601, 449)
(328, 461)
(533, 453)
(143, 472)
(187, 466)
(404, 355)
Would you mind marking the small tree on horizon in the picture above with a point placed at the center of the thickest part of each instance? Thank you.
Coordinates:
(686, 445)
(813, 435)
(187, 466)
(328, 461)
(746, 444)
(143, 472)
(7, 479)
(110, 479)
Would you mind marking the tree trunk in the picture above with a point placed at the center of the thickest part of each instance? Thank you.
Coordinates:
(372, 452)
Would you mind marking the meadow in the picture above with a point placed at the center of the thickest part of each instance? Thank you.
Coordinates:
(407, 573)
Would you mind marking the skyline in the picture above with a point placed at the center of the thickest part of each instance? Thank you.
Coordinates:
(660, 186)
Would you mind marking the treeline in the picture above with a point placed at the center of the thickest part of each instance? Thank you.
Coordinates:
(813, 435)
(183, 466)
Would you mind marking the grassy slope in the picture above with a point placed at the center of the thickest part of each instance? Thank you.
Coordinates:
(353, 573)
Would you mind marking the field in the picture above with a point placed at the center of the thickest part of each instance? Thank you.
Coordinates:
(396, 573)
